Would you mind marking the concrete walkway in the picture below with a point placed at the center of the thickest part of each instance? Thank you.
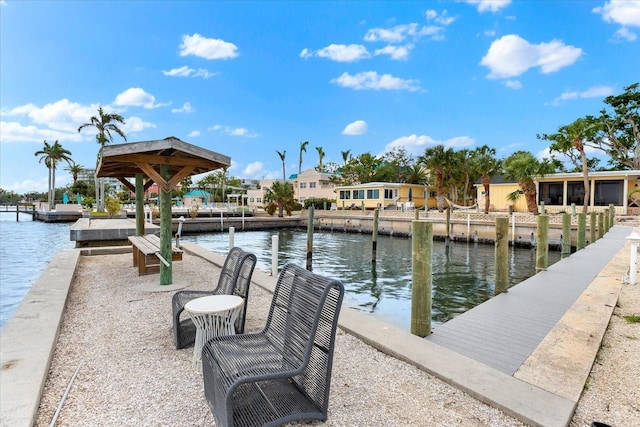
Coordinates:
(543, 391)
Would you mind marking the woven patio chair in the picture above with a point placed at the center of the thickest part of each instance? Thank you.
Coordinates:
(283, 373)
(235, 278)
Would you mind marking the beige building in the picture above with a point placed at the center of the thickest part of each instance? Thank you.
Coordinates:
(383, 194)
(255, 197)
(312, 184)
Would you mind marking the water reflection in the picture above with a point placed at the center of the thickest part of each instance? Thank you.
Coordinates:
(463, 275)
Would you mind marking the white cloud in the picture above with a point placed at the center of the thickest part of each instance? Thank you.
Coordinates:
(135, 124)
(623, 12)
(416, 144)
(624, 34)
(356, 128)
(395, 52)
(489, 5)
(17, 132)
(592, 92)
(137, 97)
(513, 84)
(207, 48)
(339, 52)
(511, 55)
(28, 185)
(440, 18)
(185, 71)
(400, 32)
(234, 131)
(194, 134)
(372, 80)
(186, 108)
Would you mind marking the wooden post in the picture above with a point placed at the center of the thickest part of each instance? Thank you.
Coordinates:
(542, 248)
(566, 235)
(592, 227)
(374, 235)
(447, 233)
(17, 212)
(421, 252)
(165, 229)
(600, 225)
(502, 256)
(612, 214)
(582, 231)
(310, 239)
(139, 205)
(542, 210)
(417, 214)
(573, 209)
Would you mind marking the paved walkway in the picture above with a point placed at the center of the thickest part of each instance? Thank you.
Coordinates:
(504, 331)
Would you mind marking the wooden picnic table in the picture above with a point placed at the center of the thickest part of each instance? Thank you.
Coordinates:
(146, 253)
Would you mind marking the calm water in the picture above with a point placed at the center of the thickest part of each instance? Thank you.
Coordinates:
(27, 247)
(463, 275)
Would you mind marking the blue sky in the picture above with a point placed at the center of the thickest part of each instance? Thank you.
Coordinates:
(245, 79)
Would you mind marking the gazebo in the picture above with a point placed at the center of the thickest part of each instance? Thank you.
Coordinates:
(165, 162)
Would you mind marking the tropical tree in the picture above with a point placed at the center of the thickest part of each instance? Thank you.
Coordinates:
(522, 167)
(280, 196)
(416, 174)
(485, 163)
(282, 155)
(321, 156)
(105, 124)
(569, 140)
(346, 155)
(437, 159)
(358, 170)
(51, 155)
(75, 170)
(303, 148)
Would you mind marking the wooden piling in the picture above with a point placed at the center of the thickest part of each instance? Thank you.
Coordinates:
(421, 253)
(165, 229)
(600, 225)
(612, 215)
(542, 209)
(447, 235)
(566, 235)
(310, 239)
(542, 248)
(582, 231)
(502, 256)
(374, 235)
(592, 227)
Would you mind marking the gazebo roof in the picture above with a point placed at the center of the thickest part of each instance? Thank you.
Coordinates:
(126, 160)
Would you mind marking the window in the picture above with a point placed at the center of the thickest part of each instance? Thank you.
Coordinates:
(312, 185)
(551, 193)
(607, 192)
(345, 194)
(388, 193)
(358, 194)
(303, 185)
(373, 194)
(259, 199)
(575, 193)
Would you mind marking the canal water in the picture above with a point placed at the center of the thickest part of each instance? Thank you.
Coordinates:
(463, 273)
(26, 249)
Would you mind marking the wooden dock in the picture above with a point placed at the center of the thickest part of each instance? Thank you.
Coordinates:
(19, 208)
(505, 330)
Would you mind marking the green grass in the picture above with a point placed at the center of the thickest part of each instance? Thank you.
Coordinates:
(632, 319)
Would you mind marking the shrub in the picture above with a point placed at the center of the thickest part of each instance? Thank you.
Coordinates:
(318, 203)
(112, 204)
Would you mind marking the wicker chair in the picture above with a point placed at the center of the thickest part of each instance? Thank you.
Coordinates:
(283, 373)
(235, 279)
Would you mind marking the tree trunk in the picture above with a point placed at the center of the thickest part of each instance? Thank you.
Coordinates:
(52, 205)
(530, 195)
(486, 181)
(585, 177)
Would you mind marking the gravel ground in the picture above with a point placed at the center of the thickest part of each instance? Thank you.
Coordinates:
(131, 374)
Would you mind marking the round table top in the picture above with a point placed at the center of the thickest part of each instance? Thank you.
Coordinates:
(214, 304)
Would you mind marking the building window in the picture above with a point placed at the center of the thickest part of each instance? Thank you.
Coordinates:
(373, 194)
(358, 194)
(388, 193)
(312, 185)
(575, 192)
(259, 199)
(551, 193)
(607, 192)
(345, 194)
(303, 185)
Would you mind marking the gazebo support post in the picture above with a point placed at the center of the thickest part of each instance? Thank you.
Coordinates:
(139, 205)
(165, 228)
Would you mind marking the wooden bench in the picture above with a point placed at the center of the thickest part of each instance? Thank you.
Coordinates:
(146, 253)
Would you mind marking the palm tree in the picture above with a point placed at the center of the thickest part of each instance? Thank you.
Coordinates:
(104, 124)
(303, 148)
(75, 170)
(416, 175)
(569, 140)
(437, 159)
(485, 163)
(522, 166)
(282, 156)
(52, 154)
(280, 197)
(345, 156)
(321, 156)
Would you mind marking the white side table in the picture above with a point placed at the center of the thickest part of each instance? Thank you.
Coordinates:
(213, 316)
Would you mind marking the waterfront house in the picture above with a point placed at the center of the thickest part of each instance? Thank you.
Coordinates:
(196, 197)
(312, 184)
(387, 195)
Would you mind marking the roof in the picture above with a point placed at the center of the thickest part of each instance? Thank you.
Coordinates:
(146, 157)
(197, 193)
(381, 184)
